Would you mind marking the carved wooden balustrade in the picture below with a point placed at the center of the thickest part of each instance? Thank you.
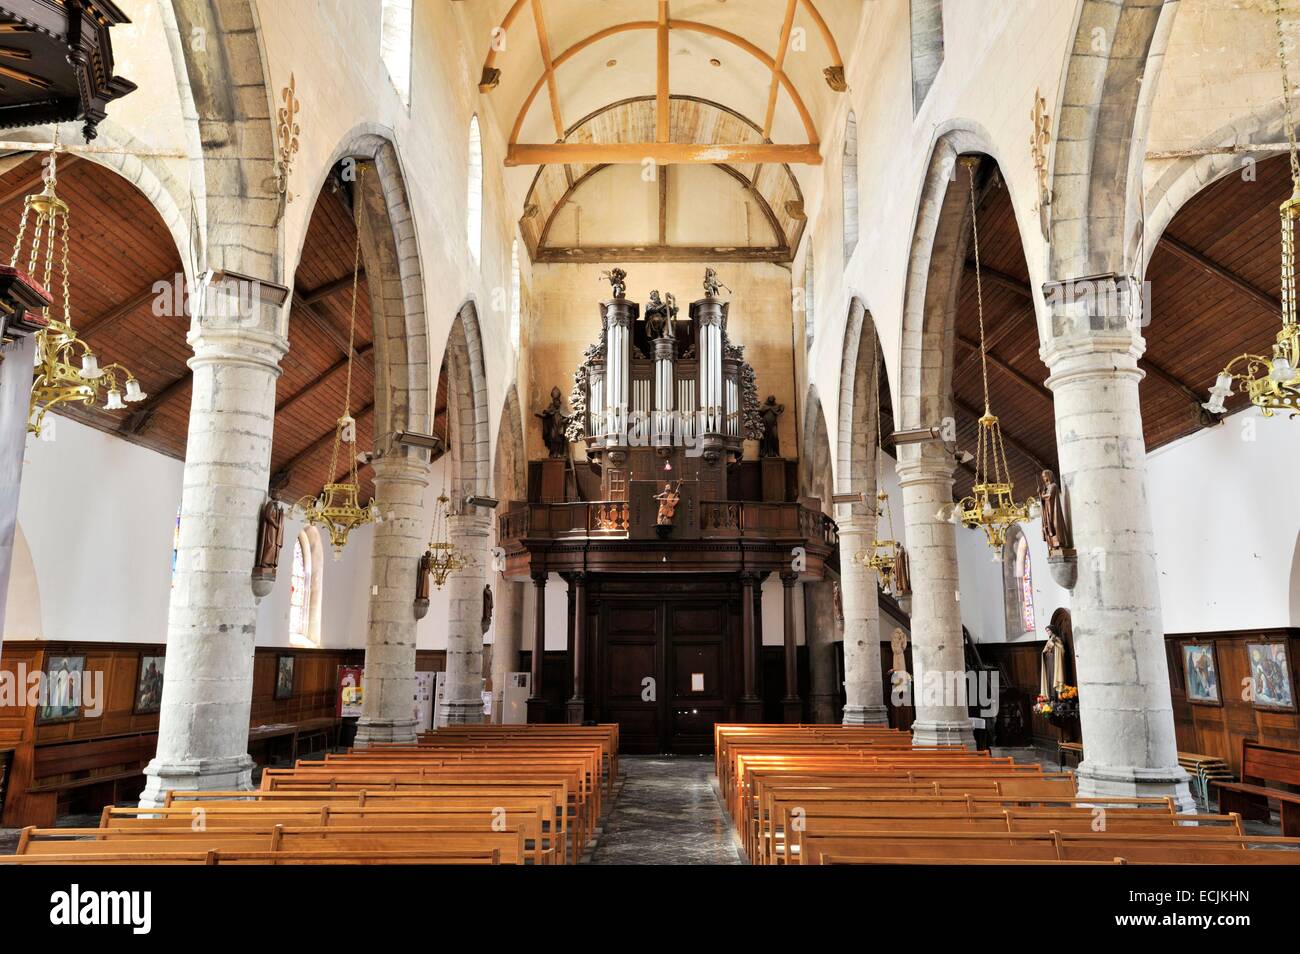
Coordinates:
(719, 519)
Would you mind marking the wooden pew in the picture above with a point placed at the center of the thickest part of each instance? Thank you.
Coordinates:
(1260, 764)
(507, 843)
(227, 857)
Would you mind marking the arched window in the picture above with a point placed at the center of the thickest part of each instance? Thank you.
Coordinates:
(809, 317)
(474, 201)
(849, 173)
(395, 45)
(176, 543)
(515, 293)
(1018, 584)
(305, 589)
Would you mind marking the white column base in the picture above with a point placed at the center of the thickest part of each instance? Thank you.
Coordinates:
(461, 713)
(934, 732)
(1120, 781)
(865, 715)
(373, 731)
(195, 775)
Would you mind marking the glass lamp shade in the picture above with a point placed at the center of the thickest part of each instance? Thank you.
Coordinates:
(90, 366)
(114, 402)
(1281, 372)
(133, 392)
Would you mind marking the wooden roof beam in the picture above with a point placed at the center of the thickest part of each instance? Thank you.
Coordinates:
(28, 184)
(321, 292)
(661, 74)
(663, 154)
(303, 393)
(1206, 264)
(548, 65)
(107, 319)
(778, 66)
(1022, 379)
(284, 472)
(1009, 439)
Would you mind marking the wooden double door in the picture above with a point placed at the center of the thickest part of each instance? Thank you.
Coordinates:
(667, 661)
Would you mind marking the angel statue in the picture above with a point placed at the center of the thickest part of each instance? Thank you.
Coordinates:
(617, 279)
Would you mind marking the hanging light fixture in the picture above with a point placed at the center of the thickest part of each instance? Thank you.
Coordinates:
(337, 509)
(442, 558)
(991, 505)
(67, 369)
(1273, 383)
(883, 557)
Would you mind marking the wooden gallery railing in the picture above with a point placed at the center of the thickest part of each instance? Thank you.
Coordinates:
(718, 520)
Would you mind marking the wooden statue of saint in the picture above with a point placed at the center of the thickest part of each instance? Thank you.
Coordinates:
(424, 577)
(270, 539)
(770, 443)
(902, 573)
(1056, 523)
(554, 424)
(486, 621)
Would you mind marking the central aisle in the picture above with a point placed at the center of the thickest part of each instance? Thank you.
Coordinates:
(666, 813)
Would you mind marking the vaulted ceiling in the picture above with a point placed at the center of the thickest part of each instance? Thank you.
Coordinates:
(747, 88)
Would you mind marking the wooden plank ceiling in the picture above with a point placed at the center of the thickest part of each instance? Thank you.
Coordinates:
(1215, 282)
(119, 248)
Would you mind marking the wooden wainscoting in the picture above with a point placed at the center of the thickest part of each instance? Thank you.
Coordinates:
(1218, 729)
(92, 760)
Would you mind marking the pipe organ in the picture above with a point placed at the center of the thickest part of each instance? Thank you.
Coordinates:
(662, 396)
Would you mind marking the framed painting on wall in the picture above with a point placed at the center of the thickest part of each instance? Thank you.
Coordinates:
(148, 685)
(1270, 676)
(1201, 670)
(61, 695)
(283, 677)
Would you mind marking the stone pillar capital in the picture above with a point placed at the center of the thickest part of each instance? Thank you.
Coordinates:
(925, 469)
(250, 347)
(1089, 356)
(400, 469)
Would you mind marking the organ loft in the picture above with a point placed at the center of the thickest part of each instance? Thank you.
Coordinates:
(665, 533)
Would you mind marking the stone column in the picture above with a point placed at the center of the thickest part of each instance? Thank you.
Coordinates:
(462, 699)
(791, 705)
(577, 706)
(821, 626)
(508, 632)
(399, 541)
(939, 689)
(864, 692)
(751, 706)
(536, 701)
(212, 619)
(1125, 710)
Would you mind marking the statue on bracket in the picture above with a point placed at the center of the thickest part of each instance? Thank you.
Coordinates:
(902, 573)
(423, 584)
(617, 279)
(270, 540)
(554, 427)
(770, 444)
(486, 621)
(1056, 524)
(660, 314)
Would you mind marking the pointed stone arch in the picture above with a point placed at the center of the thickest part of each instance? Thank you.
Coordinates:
(467, 438)
(1110, 79)
(816, 475)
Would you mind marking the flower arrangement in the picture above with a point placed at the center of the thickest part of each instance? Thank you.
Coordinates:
(1061, 709)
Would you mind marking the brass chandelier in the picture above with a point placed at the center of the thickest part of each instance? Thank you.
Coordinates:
(338, 509)
(1273, 383)
(67, 369)
(991, 504)
(442, 558)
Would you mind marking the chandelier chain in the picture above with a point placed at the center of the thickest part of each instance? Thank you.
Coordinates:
(979, 285)
(1286, 92)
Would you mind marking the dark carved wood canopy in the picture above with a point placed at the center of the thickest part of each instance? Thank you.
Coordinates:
(56, 62)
